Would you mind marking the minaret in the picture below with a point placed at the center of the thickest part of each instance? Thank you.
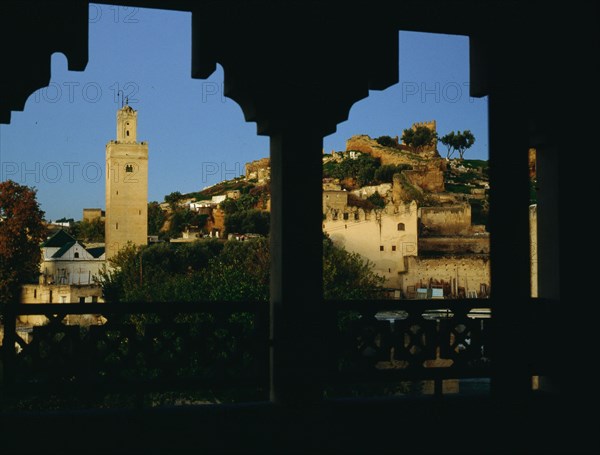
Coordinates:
(126, 186)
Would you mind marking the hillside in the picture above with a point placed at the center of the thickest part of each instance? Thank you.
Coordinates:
(425, 177)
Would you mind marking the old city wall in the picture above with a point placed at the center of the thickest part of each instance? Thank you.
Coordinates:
(475, 244)
(453, 220)
(384, 237)
(463, 273)
(427, 174)
(365, 144)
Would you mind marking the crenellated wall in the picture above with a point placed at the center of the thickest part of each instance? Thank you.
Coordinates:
(384, 237)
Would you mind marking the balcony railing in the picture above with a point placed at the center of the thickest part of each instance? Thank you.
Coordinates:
(219, 351)
(205, 350)
(390, 342)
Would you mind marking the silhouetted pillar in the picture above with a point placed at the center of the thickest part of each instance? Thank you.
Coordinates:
(547, 195)
(9, 321)
(292, 74)
(296, 265)
(509, 245)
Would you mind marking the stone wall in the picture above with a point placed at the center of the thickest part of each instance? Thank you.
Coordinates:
(334, 199)
(427, 174)
(384, 190)
(365, 144)
(429, 177)
(446, 220)
(475, 244)
(384, 237)
(462, 275)
(92, 214)
(54, 293)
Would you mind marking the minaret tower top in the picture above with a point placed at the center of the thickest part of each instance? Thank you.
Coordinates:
(126, 125)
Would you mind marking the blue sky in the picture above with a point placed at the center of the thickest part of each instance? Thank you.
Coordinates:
(197, 137)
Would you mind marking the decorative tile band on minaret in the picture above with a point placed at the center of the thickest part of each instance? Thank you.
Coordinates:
(126, 186)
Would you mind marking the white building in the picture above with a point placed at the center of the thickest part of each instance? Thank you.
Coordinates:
(383, 236)
(66, 261)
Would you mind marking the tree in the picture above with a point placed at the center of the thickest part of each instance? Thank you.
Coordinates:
(377, 200)
(156, 218)
(387, 141)
(347, 275)
(419, 138)
(173, 198)
(211, 270)
(88, 231)
(459, 142)
(361, 169)
(22, 230)
(248, 221)
(385, 174)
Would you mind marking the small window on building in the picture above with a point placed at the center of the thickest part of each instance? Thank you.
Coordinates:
(94, 299)
(139, 212)
(76, 255)
(117, 226)
(127, 134)
(356, 216)
(35, 293)
(81, 299)
(63, 299)
(393, 247)
(129, 167)
(345, 216)
(50, 297)
(401, 227)
(380, 247)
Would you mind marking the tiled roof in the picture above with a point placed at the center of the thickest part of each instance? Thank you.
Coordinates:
(63, 250)
(96, 251)
(58, 240)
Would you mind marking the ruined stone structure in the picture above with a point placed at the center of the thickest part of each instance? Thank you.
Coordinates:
(126, 186)
(364, 143)
(429, 150)
(446, 220)
(260, 170)
(426, 174)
